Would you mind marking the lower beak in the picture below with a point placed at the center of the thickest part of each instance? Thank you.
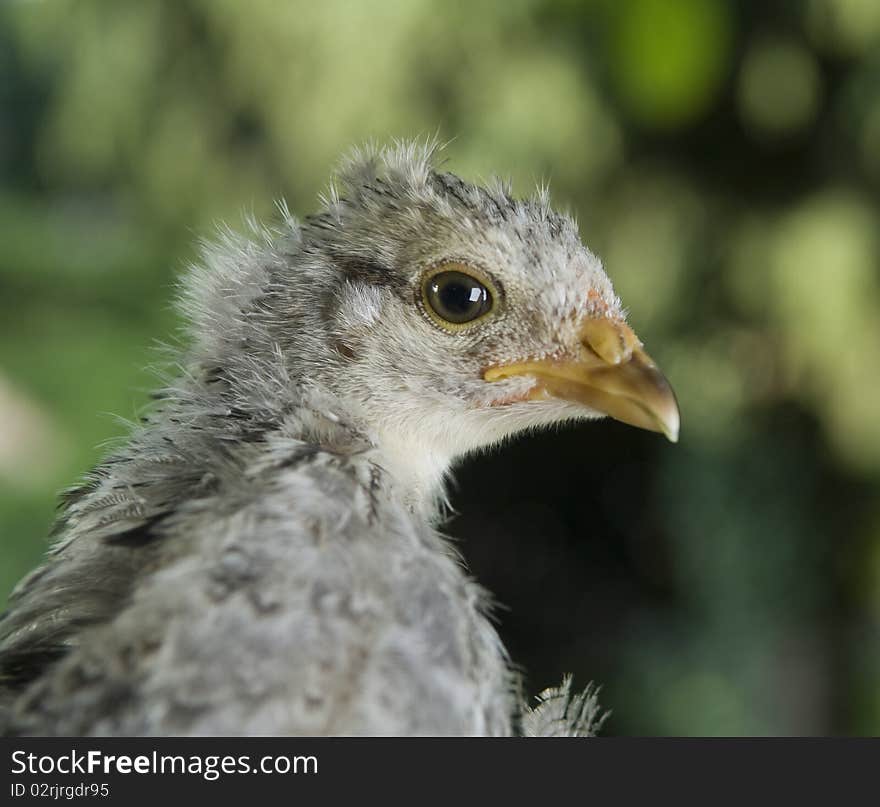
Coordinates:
(612, 375)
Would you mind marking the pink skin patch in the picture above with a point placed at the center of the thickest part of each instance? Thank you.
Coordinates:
(511, 399)
(595, 304)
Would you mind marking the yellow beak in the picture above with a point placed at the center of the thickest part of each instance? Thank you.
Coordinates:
(612, 374)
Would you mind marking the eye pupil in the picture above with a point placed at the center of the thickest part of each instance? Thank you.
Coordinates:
(457, 298)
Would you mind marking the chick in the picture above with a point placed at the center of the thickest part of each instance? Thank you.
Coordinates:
(263, 556)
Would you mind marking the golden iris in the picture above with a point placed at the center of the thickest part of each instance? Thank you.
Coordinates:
(455, 297)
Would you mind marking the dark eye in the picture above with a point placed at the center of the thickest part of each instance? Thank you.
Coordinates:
(456, 298)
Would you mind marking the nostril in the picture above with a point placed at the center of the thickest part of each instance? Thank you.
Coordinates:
(612, 340)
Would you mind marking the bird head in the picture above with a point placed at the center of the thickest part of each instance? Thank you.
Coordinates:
(439, 316)
(455, 315)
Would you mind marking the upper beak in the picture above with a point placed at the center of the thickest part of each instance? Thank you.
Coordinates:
(612, 374)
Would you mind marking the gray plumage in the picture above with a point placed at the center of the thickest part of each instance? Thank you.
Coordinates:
(263, 556)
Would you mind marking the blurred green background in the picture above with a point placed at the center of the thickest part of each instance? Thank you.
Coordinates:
(723, 159)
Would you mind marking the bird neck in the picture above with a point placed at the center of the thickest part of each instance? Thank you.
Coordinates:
(417, 469)
(279, 373)
(279, 414)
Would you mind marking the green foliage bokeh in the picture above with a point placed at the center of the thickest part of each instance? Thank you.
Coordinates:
(723, 159)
